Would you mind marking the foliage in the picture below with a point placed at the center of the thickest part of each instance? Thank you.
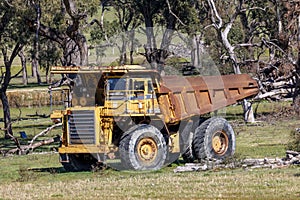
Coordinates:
(256, 20)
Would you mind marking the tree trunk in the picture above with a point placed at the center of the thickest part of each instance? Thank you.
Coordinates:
(150, 47)
(74, 33)
(6, 114)
(83, 49)
(123, 55)
(131, 36)
(24, 71)
(248, 112)
(35, 56)
(35, 69)
(48, 79)
(196, 52)
(230, 49)
(4, 85)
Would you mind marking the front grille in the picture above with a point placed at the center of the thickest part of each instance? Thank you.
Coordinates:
(82, 127)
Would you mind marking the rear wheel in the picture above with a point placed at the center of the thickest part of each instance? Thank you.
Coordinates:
(143, 148)
(186, 143)
(215, 139)
(78, 162)
(188, 154)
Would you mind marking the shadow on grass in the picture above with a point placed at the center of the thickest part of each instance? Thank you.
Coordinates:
(28, 86)
(33, 125)
(51, 170)
(297, 175)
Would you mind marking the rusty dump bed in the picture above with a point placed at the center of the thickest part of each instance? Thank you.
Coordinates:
(189, 96)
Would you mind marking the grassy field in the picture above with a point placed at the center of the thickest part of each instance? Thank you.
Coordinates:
(40, 176)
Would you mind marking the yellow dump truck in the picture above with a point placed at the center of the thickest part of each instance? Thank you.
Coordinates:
(143, 121)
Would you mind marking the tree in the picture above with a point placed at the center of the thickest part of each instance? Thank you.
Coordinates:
(225, 18)
(22, 56)
(289, 39)
(50, 55)
(35, 46)
(223, 27)
(169, 14)
(62, 22)
(12, 39)
(14, 35)
(128, 21)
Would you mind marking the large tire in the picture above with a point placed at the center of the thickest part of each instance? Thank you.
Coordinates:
(143, 148)
(214, 139)
(188, 153)
(186, 138)
(78, 162)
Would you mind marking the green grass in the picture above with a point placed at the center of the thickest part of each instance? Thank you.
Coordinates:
(29, 120)
(41, 176)
(261, 140)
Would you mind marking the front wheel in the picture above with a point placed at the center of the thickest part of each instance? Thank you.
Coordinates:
(214, 139)
(143, 148)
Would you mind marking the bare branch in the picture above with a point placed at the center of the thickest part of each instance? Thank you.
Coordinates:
(172, 13)
(218, 24)
(28, 148)
(247, 45)
(8, 3)
(44, 132)
(254, 8)
(269, 43)
(17, 74)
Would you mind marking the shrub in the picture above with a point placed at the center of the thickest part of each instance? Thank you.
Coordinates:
(294, 143)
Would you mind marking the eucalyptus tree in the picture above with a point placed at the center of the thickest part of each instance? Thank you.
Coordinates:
(128, 20)
(230, 20)
(64, 22)
(192, 24)
(50, 55)
(169, 14)
(13, 37)
(121, 27)
(35, 12)
(58, 21)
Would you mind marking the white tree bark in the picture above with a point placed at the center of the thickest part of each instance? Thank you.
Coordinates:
(223, 31)
(248, 112)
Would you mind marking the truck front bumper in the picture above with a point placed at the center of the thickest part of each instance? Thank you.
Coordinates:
(81, 149)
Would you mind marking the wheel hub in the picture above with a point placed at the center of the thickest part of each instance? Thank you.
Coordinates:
(147, 149)
(220, 143)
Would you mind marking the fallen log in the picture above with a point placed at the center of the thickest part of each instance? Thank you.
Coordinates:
(25, 149)
(273, 93)
(44, 132)
(294, 153)
(292, 158)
